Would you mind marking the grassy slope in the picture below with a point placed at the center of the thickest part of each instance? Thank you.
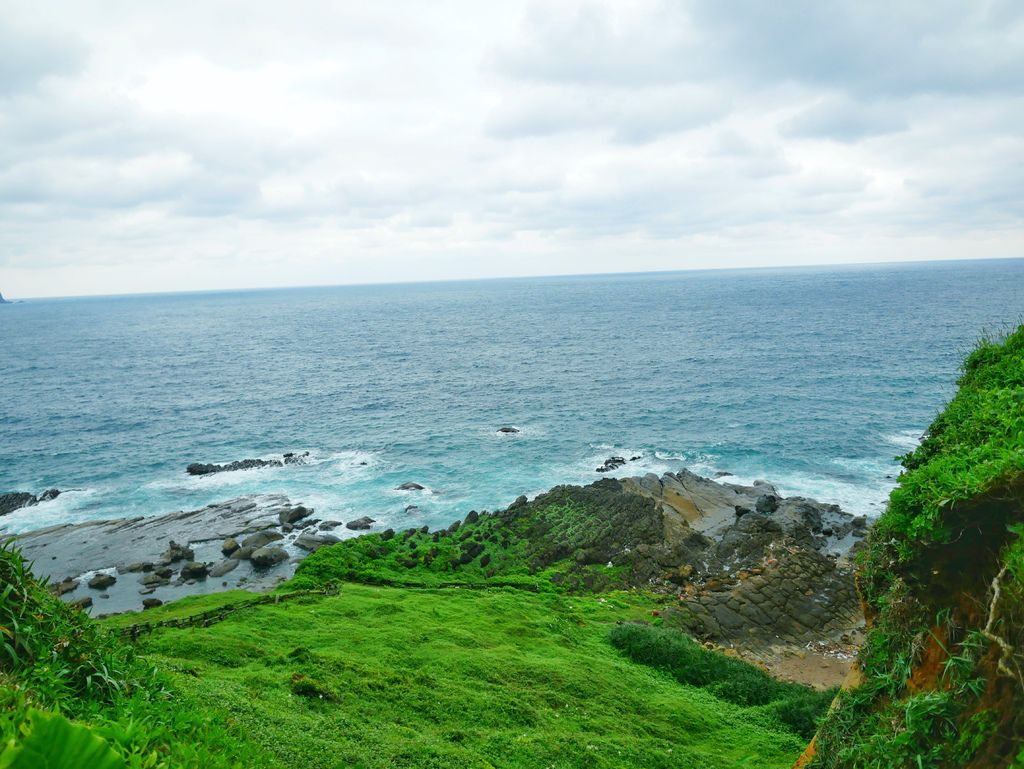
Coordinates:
(442, 678)
(938, 690)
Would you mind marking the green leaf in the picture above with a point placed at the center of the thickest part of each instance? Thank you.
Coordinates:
(53, 742)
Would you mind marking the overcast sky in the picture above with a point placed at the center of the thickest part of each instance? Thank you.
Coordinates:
(157, 146)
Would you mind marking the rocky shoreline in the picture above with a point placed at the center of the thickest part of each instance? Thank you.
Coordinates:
(751, 569)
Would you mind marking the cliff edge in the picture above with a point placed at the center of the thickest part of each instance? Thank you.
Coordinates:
(940, 678)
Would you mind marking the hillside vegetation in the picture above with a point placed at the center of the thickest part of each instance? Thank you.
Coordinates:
(942, 579)
(381, 676)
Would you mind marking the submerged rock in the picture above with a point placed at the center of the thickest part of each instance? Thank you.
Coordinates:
(199, 468)
(612, 463)
(508, 430)
(410, 486)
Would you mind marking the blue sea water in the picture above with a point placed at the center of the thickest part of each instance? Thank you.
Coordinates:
(812, 378)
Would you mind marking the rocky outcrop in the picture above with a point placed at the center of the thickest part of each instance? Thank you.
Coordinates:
(197, 468)
(4, 301)
(16, 500)
(239, 542)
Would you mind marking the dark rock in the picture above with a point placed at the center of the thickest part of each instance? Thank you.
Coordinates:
(102, 581)
(261, 539)
(164, 572)
(15, 501)
(612, 463)
(410, 486)
(295, 514)
(387, 534)
(409, 509)
(741, 511)
(291, 458)
(151, 603)
(194, 570)
(265, 557)
(360, 524)
(81, 603)
(153, 580)
(65, 586)
(135, 568)
(767, 503)
(49, 494)
(197, 468)
(176, 552)
(722, 474)
(222, 568)
(507, 430)
(485, 560)
(230, 545)
(330, 525)
(313, 542)
(473, 516)
(242, 554)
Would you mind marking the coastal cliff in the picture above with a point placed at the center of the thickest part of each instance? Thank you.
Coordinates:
(940, 679)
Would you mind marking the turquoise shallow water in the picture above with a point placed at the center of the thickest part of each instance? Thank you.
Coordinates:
(813, 378)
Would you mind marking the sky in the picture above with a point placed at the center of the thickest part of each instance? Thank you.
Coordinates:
(156, 146)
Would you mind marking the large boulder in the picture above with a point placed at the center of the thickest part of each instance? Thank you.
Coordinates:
(360, 524)
(102, 581)
(194, 570)
(265, 557)
(261, 538)
(296, 513)
(312, 542)
(222, 568)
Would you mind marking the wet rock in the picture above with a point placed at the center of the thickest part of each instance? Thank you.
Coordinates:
(291, 458)
(151, 603)
(295, 514)
(49, 494)
(265, 557)
(766, 503)
(473, 516)
(197, 468)
(612, 463)
(81, 603)
(242, 554)
(230, 545)
(15, 501)
(330, 525)
(410, 509)
(65, 586)
(135, 568)
(176, 552)
(410, 486)
(194, 570)
(261, 539)
(387, 534)
(313, 542)
(164, 572)
(508, 430)
(153, 580)
(102, 581)
(223, 567)
(360, 524)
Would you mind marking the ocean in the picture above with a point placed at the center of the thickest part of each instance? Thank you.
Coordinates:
(813, 378)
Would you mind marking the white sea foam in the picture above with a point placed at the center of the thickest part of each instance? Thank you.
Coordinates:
(67, 508)
(905, 439)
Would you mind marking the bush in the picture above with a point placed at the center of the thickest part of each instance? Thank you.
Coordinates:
(798, 707)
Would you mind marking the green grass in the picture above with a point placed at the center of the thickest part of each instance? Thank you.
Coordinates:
(58, 664)
(953, 524)
(391, 677)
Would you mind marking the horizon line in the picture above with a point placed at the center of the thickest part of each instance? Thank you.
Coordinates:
(427, 281)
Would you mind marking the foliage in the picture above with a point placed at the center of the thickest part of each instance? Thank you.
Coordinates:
(943, 578)
(728, 678)
(50, 741)
(55, 658)
(380, 676)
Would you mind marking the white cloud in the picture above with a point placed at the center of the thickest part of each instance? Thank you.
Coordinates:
(149, 146)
